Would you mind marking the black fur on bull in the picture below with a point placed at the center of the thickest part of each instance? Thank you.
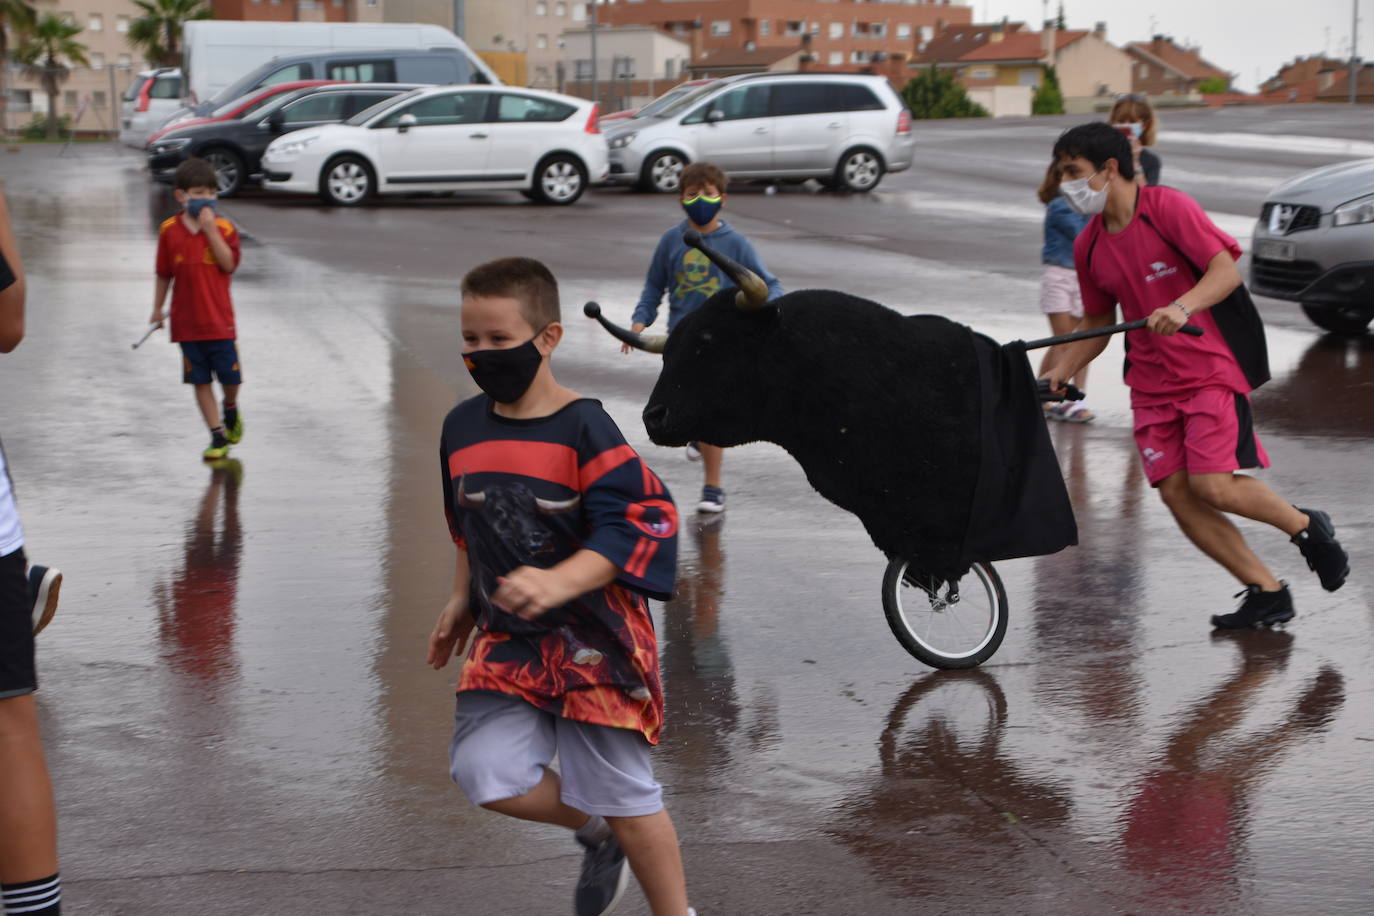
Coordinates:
(882, 411)
(515, 514)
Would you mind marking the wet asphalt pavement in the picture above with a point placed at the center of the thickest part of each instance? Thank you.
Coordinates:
(237, 710)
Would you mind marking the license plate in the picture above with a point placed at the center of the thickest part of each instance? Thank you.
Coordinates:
(1275, 250)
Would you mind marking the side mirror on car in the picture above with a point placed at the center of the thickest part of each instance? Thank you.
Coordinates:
(405, 122)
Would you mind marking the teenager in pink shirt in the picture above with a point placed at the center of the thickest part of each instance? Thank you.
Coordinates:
(1154, 252)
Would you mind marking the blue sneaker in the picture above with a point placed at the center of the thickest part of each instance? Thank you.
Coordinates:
(712, 499)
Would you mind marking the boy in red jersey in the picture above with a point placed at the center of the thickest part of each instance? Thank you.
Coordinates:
(561, 531)
(197, 251)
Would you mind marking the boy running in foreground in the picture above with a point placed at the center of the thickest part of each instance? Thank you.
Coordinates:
(561, 531)
(1154, 251)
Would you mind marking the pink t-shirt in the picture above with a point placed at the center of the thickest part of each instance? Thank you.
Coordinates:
(1138, 269)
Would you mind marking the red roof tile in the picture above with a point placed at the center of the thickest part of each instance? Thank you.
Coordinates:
(1022, 46)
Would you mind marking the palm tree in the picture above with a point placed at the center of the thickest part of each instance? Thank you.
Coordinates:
(158, 31)
(19, 16)
(43, 51)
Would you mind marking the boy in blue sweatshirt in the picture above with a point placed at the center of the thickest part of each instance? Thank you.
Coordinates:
(690, 279)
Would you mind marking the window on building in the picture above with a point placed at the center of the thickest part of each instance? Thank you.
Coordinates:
(121, 24)
(97, 60)
(903, 30)
(835, 58)
(98, 99)
(622, 67)
(837, 30)
(927, 32)
(815, 28)
(69, 99)
(582, 69)
(541, 41)
(1144, 71)
(720, 27)
(793, 28)
(560, 9)
(765, 27)
(858, 57)
(579, 12)
(982, 73)
(95, 23)
(21, 100)
(877, 30)
(670, 68)
(125, 60)
(541, 9)
(68, 18)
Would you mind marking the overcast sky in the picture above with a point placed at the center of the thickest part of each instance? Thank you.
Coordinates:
(1242, 36)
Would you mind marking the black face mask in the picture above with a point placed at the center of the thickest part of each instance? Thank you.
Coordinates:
(505, 375)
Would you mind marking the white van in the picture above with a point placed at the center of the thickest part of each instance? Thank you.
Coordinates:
(218, 53)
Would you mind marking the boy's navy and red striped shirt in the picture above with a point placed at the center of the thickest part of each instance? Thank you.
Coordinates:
(532, 493)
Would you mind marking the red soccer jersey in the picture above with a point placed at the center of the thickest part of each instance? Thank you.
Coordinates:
(1139, 268)
(201, 307)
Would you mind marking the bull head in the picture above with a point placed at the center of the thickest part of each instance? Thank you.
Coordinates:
(547, 506)
(753, 292)
(653, 343)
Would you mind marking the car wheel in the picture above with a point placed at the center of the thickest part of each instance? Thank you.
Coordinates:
(662, 172)
(229, 169)
(1348, 321)
(347, 181)
(559, 180)
(859, 170)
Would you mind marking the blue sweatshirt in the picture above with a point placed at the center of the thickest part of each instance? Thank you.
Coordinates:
(689, 278)
(1062, 226)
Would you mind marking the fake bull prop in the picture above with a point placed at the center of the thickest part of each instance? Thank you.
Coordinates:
(930, 433)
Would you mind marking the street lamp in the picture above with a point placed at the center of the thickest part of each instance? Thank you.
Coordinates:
(1354, 56)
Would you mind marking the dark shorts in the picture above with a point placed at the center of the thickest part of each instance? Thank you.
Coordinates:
(17, 673)
(200, 358)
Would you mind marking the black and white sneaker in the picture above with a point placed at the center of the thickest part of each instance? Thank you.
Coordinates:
(1259, 609)
(604, 876)
(44, 585)
(712, 499)
(1324, 554)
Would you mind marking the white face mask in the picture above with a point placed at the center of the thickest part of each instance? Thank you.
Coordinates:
(1083, 199)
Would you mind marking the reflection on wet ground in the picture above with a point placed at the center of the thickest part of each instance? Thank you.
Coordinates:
(239, 712)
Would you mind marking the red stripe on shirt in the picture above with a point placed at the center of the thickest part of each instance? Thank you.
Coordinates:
(541, 460)
(634, 556)
(639, 561)
(604, 463)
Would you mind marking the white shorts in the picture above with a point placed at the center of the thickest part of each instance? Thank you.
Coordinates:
(1059, 291)
(502, 745)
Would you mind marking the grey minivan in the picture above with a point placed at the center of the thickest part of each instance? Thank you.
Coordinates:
(1314, 244)
(846, 130)
(437, 66)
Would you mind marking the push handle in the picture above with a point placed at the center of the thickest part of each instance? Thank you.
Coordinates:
(1190, 330)
(1069, 392)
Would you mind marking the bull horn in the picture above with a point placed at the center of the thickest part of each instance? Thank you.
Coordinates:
(753, 292)
(466, 499)
(555, 506)
(652, 343)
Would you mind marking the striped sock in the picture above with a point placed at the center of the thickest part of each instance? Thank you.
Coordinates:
(34, 898)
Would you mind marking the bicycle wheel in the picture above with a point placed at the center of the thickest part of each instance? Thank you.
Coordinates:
(946, 624)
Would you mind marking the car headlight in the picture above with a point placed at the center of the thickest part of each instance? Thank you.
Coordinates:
(1354, 212)
(624, 140)
(290, 147)
(168, 146)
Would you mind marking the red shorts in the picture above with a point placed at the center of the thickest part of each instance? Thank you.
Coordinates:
(1208, 432)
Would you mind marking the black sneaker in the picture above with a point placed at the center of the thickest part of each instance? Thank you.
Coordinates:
(604, 876)
(1259, 609)
(44, 585)
(1323, 552)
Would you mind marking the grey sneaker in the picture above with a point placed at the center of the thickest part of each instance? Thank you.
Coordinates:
(44, 585)
(604, 876)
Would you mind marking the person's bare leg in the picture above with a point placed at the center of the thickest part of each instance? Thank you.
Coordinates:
(712, 457)
(1060, 323)
(28, 815)
(650, 845)
(543, 803)
(205, 400)
(1213, 533)
(1250, 498)
(231, 395)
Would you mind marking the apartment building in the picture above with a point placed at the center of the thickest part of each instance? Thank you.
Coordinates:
(836, 34)
(299, 10)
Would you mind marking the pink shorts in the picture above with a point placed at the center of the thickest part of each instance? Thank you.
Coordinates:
(1059, 291)
(1208, 432)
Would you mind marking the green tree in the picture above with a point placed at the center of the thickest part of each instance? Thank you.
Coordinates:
(1048, 97)
(42, 51)
(1214, 86)
(157, 33)
(1060, 22)
(17, 16)
(934, 93)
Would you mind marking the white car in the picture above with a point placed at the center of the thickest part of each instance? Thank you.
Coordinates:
(151, 99)
(447, 138)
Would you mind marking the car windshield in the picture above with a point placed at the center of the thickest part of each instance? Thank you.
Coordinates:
(367, 114)
(241, 88)
(673, 106)
(132, 92)
(262, 106)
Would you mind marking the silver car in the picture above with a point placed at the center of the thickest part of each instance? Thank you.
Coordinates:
(1314, 244)
(845, 130)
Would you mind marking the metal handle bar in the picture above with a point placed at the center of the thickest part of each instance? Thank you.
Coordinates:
(1191, 330)
(1069, 392)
